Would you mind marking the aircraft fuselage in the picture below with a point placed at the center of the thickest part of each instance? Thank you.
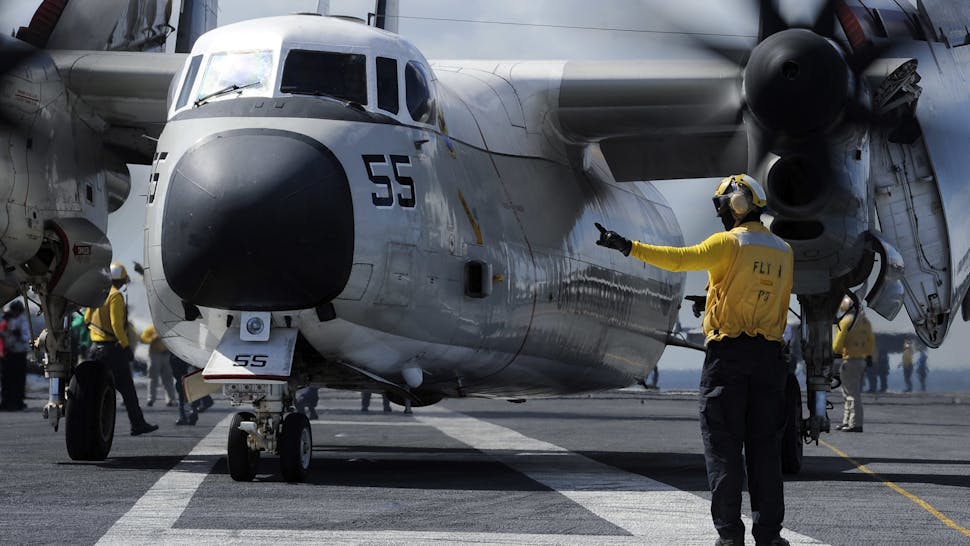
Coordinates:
(434, 220)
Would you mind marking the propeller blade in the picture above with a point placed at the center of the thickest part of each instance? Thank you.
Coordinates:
(13, 53)
(735, 55)
(863, 57)
(770, 20)
(825, 21)
(11, 57)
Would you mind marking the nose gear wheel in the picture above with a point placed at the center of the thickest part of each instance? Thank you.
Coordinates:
(243, 461)
(295, 447)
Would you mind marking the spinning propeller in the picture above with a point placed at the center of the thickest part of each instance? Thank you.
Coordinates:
(803, 92)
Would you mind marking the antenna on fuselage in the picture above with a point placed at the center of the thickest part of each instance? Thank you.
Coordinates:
(195, 19)
(323, 7)
(385, 15)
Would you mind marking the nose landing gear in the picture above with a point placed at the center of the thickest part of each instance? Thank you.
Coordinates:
(270, 429)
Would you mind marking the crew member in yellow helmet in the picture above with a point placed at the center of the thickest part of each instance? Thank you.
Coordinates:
(159, 370)
(855, 342)
(111, 346)
(742, 390)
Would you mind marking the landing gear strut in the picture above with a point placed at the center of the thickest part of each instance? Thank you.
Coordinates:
(84, 395)
(818, 311)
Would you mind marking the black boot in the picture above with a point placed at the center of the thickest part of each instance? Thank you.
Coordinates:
(187, 415)
(143, 428)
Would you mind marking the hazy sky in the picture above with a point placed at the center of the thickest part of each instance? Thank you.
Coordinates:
(537, 29)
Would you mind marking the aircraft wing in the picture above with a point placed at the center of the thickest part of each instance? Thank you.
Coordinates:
(657, 119)
(120, 92)
(126, 91)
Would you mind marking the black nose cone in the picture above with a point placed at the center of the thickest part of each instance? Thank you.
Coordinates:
(258, 219)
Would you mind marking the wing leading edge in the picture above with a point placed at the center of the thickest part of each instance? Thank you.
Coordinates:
(657, 119)
(128, 91)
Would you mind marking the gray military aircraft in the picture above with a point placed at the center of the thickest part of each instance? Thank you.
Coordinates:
(329, 208)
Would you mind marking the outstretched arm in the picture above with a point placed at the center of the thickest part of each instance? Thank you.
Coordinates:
(712, 254)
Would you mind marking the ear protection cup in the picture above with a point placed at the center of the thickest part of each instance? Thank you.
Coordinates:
(740, 204)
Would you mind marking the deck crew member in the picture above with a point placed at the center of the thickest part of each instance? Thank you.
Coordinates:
(742, 390)
(110, 345)
(855, 342)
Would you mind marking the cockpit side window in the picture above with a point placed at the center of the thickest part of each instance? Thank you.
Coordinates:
(190, 75)
(387, 90)
(236, 71)
(418, 91)
(322, 73)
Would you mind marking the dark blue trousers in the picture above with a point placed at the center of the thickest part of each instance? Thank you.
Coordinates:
(115, 357)
(742, 409)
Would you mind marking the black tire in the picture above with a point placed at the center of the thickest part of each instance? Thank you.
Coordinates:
(792, 446)
(243, 462)
(89, 419)
(295, 447)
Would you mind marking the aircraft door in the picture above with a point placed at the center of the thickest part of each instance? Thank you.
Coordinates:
(911, 213)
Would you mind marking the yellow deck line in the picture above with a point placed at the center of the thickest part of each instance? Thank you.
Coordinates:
(916, 500)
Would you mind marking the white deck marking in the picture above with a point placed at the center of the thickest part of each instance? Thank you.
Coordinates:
(645, 508)
(370, 423)
(162, 505)
(650, 511)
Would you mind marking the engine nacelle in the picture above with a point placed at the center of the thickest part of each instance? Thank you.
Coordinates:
(82, 255)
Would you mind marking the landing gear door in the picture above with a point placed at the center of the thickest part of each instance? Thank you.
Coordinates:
(886, 297)
(239, 361)
(911, 215)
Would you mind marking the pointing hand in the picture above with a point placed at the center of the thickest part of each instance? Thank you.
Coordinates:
(612, 239)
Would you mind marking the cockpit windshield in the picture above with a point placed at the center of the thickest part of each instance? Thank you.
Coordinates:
(338, 75)
(235, 71)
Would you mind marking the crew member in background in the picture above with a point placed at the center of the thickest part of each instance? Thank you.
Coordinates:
(365, 402)
(742, 403)
(907, 364)
(856, 342)
(80, 337)
(16, 341)
(882, 368)
(922, 369)
(110, 345)
(158, 367)
(306, 402)
(187, 414)
(872, 372)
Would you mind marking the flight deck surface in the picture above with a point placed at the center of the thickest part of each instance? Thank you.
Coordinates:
(621, 467)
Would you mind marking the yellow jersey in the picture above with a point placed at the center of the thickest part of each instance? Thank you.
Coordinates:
(155, 343)
(859, 341)
(750, 279)
(109, 322)
(908, 356)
